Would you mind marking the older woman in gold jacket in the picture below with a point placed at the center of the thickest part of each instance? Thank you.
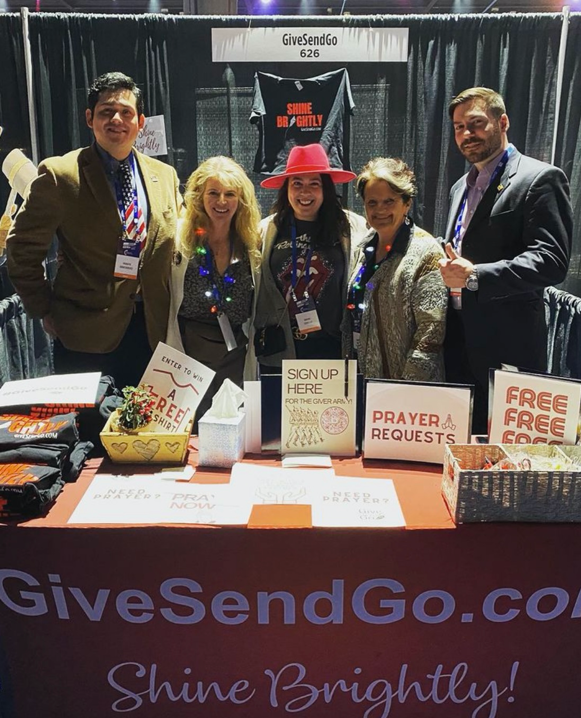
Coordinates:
(396, 310)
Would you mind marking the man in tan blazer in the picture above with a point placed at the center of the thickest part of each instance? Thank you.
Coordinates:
(109, 304)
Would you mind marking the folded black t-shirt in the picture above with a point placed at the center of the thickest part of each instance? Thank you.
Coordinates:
(18, 430)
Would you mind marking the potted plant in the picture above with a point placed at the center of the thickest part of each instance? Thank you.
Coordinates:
(135, 412)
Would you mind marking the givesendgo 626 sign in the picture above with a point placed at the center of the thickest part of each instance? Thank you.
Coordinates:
(310, 44)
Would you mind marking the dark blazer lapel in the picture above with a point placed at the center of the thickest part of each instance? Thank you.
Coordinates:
(153, 191)
(96, 179)
(495, 191)
(506, 179)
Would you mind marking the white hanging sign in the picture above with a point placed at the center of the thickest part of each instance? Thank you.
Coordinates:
(151, 140)
(310, 44)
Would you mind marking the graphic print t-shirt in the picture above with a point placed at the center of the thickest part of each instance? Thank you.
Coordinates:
(291, 112)
(324, 285)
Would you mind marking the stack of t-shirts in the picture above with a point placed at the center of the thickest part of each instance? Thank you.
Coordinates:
(37, 456)
(90, 418)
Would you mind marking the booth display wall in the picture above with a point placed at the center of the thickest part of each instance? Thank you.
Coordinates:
(401, 108)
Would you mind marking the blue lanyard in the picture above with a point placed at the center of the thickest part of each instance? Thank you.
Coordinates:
(206, 270)
(356, 291)
(119, 193)
(499, 170)
(295, 260)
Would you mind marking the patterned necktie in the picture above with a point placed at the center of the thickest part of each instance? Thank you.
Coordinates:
(135, 230)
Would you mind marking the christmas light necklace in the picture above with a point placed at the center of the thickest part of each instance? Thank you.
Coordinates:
(206, 270)
(357, 291)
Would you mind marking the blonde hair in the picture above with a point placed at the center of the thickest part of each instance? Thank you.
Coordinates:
(392, 170)
(196, 223)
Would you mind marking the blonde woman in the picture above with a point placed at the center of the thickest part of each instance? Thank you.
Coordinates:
(214, 280)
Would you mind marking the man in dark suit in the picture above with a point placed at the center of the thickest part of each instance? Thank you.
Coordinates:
(508, 237)
(114, 212)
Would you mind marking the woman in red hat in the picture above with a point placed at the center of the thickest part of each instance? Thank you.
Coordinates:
(306, 247)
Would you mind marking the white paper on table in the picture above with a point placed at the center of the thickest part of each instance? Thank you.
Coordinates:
(292, 461)
(75, 389)
(176, 473)
(146, 499)
(354, 502)
(274, 485)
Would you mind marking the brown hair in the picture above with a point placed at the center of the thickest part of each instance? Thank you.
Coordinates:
(491, 99)
(333, 222)
(392, 170)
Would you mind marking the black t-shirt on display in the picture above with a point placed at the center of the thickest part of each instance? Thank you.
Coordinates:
(291, 112)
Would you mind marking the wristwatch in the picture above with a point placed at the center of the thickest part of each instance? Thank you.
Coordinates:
(472, 281)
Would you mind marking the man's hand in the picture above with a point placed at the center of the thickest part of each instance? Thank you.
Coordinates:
(455, 270)
(48, 326)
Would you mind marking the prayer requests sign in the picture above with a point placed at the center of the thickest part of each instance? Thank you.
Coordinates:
(414, 422)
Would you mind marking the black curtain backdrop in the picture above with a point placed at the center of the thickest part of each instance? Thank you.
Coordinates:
(401, 108)
(13, 103)
(569, 144)
(13, 112)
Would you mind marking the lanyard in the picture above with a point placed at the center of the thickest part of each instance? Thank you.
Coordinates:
(306, 271)
(498, 171)
(120, 202)
(356, 291)
(207, 270)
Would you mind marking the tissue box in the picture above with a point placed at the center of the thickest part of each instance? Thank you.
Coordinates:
(221, 441)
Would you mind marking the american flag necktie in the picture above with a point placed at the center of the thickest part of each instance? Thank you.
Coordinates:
(135, 230)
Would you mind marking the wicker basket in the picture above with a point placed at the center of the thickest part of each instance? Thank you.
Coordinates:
(574, 454)
(474, 494)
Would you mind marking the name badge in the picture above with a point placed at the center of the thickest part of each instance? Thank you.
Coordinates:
(356, 336)
(227, 333)
(307, 317)
(127, 258)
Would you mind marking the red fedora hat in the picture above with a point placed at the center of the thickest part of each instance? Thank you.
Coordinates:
(306, 160)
